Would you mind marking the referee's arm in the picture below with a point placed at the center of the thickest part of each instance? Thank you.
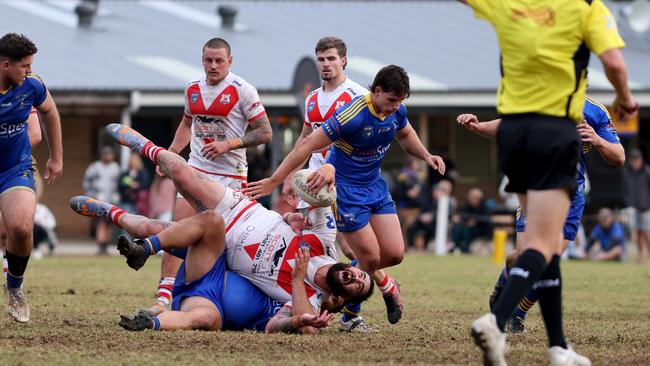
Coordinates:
(624, 105)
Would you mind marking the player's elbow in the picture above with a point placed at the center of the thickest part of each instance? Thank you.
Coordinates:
(266, 135)
(613, 60)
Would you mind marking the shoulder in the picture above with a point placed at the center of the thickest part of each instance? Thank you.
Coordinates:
(355, 89)
(239, 83)
(595, 112)
(192, 83)
(34, 80)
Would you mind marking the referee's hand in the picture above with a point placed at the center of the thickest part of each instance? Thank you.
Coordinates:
(625, 108)
(469, 121)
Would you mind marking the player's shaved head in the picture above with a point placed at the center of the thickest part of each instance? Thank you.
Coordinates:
(217, 43)
(14, 47)
(392, 79)
(330, 42)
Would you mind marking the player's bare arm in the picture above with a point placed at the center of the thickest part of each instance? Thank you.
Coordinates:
(613, 153)
(485, 129)
(260, 133)
(315, 141)
(324, 175)
(625, 106)
(410, 142)
(34, 130)
(166, 167)
(52, 127)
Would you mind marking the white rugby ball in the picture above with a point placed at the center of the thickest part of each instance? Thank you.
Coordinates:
(321, 198)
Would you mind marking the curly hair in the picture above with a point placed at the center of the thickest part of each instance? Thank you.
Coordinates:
(14, 46)
(392, 79)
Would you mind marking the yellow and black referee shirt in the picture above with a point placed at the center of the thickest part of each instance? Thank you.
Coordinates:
(545, 51)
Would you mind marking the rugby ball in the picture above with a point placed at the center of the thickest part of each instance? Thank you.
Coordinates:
(320, 198)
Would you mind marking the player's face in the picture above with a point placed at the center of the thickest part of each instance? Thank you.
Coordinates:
(16, 71)
(386, 103)
(355, 281)
(216, 63)
(330, 64)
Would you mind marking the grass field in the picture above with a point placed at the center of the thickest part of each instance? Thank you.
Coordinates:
(76, 301)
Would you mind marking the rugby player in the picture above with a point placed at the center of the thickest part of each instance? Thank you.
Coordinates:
(321, 103)
(545, 49)
(260, 244)
(597, 132)
(219, 107)
(20, 91)
(361, 132)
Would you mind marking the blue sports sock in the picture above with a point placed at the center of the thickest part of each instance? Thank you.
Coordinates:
(156, 323)
(351, 310)
(14, 281)
(153, 246)
(355, 263)
(525, 304)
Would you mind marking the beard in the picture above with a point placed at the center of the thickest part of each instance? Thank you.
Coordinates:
(333, 281)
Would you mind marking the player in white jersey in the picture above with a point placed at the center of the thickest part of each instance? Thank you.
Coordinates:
(336, 91)
(219, 107)
(260, 245)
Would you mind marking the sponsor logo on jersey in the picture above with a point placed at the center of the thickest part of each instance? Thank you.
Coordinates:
(5, 105)
(339, 104)
(208, 119)
(385, 129)
(225, 99)
(253, 106)
(194, 97)
(311, 106)
(10, 129)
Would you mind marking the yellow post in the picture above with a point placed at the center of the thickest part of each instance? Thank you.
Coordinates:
(499, 246)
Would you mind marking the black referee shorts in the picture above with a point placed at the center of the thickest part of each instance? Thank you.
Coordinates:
(538, 152)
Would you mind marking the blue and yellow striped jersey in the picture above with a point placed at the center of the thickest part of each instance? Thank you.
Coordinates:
(360, 140)
(15, 105)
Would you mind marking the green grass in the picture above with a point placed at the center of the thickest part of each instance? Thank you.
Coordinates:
(76, 302)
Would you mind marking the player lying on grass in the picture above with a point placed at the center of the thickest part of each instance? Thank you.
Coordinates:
(596, 132)
(242, 305)
(260, 244)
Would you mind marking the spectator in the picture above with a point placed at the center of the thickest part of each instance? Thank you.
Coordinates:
(424, 227)
(610, 235)
(408, 193)
(100, 181)
(471, 222)
(132, 185)
(162, 195)
(637, 187)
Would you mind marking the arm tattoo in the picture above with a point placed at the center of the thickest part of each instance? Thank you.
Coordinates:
(260, 133)
(281, 322)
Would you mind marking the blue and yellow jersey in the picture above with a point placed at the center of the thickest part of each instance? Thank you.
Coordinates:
(361, 138)
(15, 105)
(596, 116)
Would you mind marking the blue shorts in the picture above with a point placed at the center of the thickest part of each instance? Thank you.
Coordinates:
(209, 287)
(245, 306)
(572, 222)
(19, 176)
(355, 204)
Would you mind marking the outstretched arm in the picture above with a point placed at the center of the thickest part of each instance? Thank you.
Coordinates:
(410, 142)
(52, 127)
(625, 106)
(485, 129)
(315, 141)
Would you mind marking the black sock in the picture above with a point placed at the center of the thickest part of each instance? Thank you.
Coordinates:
(527, 269)
(16, 265)
(549, 290)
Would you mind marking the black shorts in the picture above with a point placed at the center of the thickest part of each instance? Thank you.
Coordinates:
(538, 152)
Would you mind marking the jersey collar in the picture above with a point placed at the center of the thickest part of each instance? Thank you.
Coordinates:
(371, 108)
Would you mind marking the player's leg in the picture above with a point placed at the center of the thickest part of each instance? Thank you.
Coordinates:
(3, 245)
(169, 265)
(18, 206)
(195, 312)
(345, 246)
(200, 192)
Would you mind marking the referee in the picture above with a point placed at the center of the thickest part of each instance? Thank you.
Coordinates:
(545, 47)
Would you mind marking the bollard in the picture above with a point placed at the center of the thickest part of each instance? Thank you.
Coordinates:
(499, 246)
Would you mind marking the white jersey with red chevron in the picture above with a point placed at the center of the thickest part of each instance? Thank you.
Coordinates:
(261, 247)
(321, 105)
(221, 112)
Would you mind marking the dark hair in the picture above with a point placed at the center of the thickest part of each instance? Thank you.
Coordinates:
(392, 79)
(328, 42)
(217, 43)
(337, 288)
(14, 46)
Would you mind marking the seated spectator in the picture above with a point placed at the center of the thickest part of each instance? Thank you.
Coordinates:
(471, 222)
(408, 193)
(610, 236)
(424, 227)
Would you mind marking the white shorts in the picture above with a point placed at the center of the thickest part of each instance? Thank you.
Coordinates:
(639, 220)
(225, 180)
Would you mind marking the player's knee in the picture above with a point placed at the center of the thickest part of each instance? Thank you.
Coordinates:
(370, 262)
(392, 259)
(206, 319)
(211, 220)
(20, 232)
(511, 258)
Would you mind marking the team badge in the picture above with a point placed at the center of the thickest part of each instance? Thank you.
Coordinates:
(339, 104)
(367, 131)
(311, 106)
(194, 97)
(225, 99)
